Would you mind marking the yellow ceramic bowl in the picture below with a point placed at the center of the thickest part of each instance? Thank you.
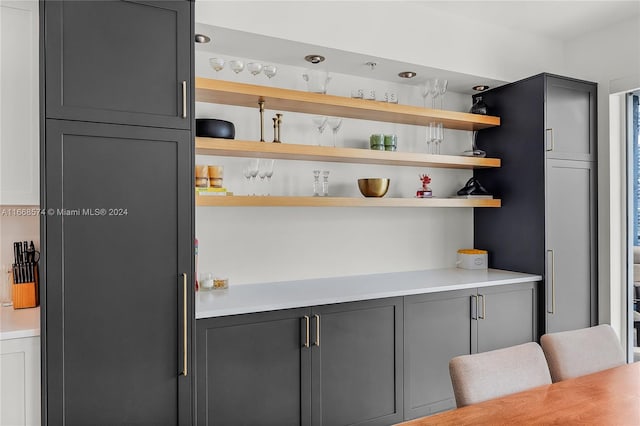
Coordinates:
(373, 187)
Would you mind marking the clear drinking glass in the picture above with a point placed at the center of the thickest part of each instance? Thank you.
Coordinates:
(441, 87)
(268, 172)
(316, 183)
(254, 68)
(236, 65)
(335, 123)
(216, 63)
(325, 183)
(321, 123)
(269, 70)
(253, 171)
(430, 89)
(317, 80)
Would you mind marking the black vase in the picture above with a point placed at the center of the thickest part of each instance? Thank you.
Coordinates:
(479, 107)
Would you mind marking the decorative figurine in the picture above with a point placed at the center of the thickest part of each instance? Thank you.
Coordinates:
(424, 191)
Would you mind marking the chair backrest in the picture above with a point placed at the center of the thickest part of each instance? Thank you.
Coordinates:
(578, 352)
(488, 375)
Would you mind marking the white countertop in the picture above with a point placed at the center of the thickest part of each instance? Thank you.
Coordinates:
(17, 323)
(248, 298)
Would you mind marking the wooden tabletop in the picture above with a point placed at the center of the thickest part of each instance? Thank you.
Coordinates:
(610, 397)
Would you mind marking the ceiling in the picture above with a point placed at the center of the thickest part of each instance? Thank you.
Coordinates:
(558, 20)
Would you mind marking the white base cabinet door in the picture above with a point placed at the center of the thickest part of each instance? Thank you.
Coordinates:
(20, 382)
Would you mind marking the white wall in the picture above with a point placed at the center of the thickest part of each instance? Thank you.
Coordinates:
(411, 32)
(252, 245)
(610, 57)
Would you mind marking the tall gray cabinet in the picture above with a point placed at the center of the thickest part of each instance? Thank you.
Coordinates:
(547, 223)
(117, 299)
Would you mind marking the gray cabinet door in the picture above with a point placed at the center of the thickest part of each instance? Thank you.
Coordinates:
(570, 119)
(570, 297)
(437, 327)
(119, 62)
(253, 370)
(118, 240)
(357, 363)
(506, 316)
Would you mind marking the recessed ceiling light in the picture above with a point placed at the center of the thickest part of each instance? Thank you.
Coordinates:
(201, 38)
(407, 74)
(314, 59)
(371, 65)
(480, 87)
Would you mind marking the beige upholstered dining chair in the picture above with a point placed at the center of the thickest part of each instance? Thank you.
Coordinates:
(487, 375)
(579, 352)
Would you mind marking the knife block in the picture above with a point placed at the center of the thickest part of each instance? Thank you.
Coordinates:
(26, 295)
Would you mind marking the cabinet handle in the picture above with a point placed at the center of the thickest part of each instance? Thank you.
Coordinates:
(552, 264)
(484, 307)
(552, 143)
(184, 99)
(306, 338)
(184, 323)
(474, 307)
(317, 342)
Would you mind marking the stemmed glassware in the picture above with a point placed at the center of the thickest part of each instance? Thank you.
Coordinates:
(269, 70)
(216, 63)
(254, 68)
(266, 171)
(435, 135)
(320, 122)
(429, 89)
(335, 123)
(441, 88)
(236, 65)
(250, 171)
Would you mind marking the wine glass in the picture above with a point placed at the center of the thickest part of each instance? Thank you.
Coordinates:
(439, 136)
(252, 169)
(320, 122)
(262, 173)
(268, 172)
(335, 123)
(254, 68)
(216, 63)
(432, 136)
(236, 65)
(441, 87)
(430, 89)
(269, 70)
(246, 172)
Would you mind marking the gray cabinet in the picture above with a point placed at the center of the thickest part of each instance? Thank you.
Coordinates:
(254, 369)
(117, 242)
(117, 185)
(357, 363)
(547, 224)
(126, 62)
(571, 267)
(328, 365)
(570, 119)
(441, 326)
(437, 327)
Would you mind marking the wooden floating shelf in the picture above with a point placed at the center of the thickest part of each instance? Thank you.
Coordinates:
(277, 201)
(248, 95)
(286, 151)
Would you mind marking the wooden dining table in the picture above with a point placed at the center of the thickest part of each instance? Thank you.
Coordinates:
(609, 397)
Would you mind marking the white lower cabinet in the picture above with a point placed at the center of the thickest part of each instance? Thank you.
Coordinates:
(20, 381)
